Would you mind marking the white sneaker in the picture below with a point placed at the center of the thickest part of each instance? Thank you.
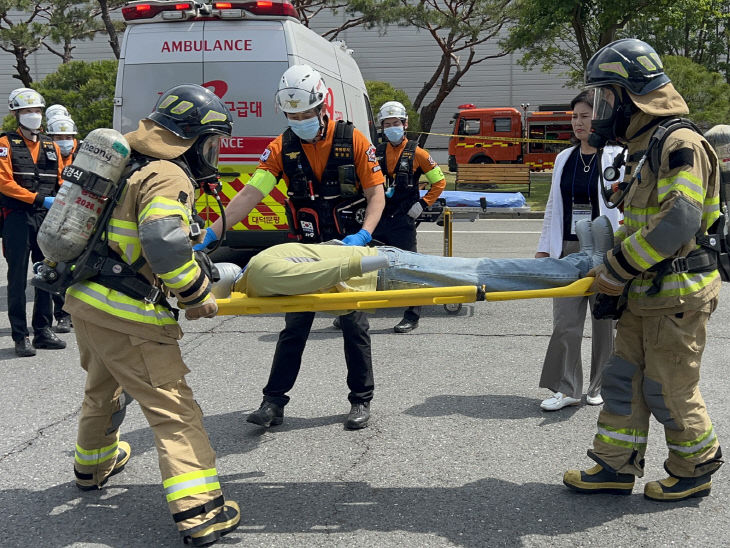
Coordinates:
(594, 400)
(558, 401)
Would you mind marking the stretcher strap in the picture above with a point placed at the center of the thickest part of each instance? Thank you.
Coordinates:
(239, 303)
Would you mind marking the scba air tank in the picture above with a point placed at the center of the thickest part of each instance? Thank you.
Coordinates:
(87, 184)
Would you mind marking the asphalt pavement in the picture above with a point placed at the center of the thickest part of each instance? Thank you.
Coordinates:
(458, 452)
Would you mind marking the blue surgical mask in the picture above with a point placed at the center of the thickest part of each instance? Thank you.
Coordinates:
(305, 129)
(394, 134)
(66, 146)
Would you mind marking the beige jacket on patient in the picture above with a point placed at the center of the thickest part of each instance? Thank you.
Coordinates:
(295, 269)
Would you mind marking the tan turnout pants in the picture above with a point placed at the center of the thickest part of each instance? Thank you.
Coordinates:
(153, 374)
(656, 370)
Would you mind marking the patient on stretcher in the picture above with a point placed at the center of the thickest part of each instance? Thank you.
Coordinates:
(296, 269)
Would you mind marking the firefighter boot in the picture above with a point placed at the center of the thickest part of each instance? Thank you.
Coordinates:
(675, 488)
(223, 522)
(599, 479)
(85, 482)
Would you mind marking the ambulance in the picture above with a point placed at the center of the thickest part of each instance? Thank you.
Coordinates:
(239, 50)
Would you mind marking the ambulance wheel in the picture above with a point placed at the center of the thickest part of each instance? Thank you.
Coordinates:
(452, 308)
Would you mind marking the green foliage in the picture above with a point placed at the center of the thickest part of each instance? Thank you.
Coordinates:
(705, 92)
(380, 92)
(696, 29)
(85, 89)
(561, 33)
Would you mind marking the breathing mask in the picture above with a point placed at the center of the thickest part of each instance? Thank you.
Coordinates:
(307, 129)
(612, 112)
(202, 158)
(30, 120)
(394, 134)
(66, 146)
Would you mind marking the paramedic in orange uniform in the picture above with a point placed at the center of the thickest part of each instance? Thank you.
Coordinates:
(403, 162)
(30, 173)
(335, 191)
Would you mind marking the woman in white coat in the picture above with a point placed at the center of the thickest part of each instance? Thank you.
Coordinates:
(575, 195)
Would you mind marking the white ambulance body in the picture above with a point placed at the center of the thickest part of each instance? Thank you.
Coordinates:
(239, 50)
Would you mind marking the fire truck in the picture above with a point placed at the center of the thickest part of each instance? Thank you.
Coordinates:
(239, 50)
(505, 136)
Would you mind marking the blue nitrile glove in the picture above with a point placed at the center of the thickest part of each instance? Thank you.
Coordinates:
(208, 239)
(48, 201)
(361, 237)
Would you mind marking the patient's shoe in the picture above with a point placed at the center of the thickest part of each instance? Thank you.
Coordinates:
(585, 239)
(602, 232)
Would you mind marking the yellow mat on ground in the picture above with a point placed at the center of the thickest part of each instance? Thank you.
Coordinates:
(239, 303)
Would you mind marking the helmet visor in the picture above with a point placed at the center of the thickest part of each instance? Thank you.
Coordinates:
(210, 149)
(604, 101)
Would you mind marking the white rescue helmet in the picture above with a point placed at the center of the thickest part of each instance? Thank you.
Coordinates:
(61, 125)
(56, 111)
(25, 98)
(301, 88)
(392, 109)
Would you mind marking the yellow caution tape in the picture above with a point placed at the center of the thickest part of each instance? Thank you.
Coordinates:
(505, 139)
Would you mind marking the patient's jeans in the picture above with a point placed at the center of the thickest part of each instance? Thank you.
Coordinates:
(407, 270)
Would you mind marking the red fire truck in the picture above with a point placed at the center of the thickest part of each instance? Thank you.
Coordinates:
(498, 136)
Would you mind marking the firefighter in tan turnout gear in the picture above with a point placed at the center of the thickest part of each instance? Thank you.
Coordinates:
(660, 337)
(128, 341)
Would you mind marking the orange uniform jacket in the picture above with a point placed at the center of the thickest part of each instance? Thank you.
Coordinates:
(8, 186)
(422, 159)
(366, 164)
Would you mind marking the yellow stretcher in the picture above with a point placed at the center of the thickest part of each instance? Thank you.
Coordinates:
(239, 303)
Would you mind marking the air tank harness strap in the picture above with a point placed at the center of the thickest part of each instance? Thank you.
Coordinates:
(115, 274)
(698, 260)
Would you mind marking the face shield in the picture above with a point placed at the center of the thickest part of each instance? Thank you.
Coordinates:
(604, 100)
(210, 149)
(202, 158)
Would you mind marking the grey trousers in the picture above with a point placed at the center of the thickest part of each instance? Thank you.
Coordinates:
(562, 370)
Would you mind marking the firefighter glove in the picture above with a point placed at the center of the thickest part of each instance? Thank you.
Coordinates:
(604, 282)
(208, 239)
(207, 309)
(361, 237)
(416, 210)
(48, 201)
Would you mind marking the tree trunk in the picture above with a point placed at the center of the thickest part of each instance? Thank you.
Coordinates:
(109, 25)
(21, 65)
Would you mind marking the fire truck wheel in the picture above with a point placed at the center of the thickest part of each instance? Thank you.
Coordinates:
(452, 308)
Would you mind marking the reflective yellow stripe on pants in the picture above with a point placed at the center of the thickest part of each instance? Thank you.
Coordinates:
(191, 483)
(92, 457)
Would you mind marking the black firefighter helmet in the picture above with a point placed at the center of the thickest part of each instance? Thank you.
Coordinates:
(191, 111)
(629, 63)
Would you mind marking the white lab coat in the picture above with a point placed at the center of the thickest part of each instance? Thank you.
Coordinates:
(551, 238)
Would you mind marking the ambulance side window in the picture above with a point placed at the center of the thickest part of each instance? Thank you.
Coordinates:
(469, 126)
(372, 128)
(502, 125)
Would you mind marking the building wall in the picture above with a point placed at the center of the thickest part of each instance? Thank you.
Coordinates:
(405, 57)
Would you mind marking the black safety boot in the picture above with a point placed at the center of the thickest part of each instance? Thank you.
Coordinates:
(359, 416)
(23, 348)
(123, 454)
(672, 488)
(599, 479)
(405, 326)
(63, 325)
(269, 414)
(47, 339)
(220, 524)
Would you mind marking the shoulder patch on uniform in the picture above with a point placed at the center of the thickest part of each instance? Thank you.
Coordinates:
(431, 160)
(3, 152)
(681, 157)
(371, 154)
(265, 155)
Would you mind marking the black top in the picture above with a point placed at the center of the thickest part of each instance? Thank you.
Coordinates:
(579, 187)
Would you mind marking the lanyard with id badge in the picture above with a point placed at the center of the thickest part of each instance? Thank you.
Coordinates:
(582, 210)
